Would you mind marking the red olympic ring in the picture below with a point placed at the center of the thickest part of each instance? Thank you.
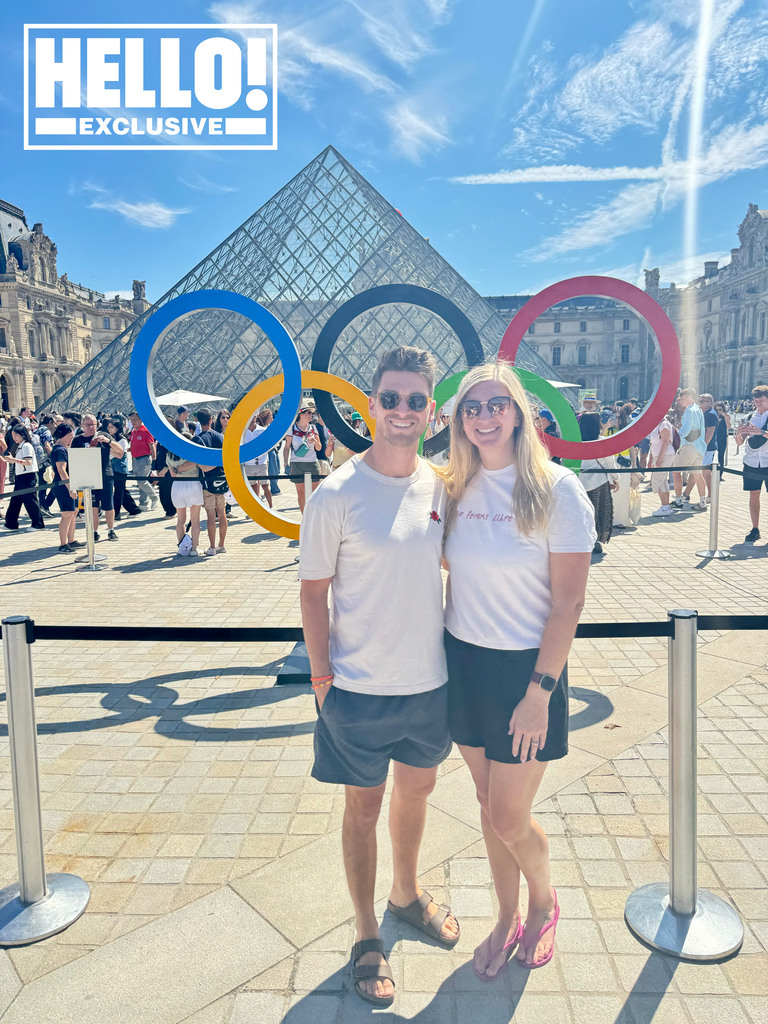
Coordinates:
(656, 320)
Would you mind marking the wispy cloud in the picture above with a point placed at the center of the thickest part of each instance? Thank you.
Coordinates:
(561, 172)
(415, 133)
(146, 214)
(392, 29)
(202, 184)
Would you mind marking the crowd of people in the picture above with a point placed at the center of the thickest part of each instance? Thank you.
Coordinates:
(692, 435)
(34, 455)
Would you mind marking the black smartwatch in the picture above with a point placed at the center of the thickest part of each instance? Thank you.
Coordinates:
(545, 681)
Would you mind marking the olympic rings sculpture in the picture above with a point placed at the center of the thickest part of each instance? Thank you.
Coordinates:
(324, 384)
(271, 519)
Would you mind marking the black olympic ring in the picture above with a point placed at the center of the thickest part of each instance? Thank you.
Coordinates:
(369, 299)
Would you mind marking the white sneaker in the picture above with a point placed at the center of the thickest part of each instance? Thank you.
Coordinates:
(664, 510)
(193, 553)
(701, 505)
(210, 551)
(221, 550)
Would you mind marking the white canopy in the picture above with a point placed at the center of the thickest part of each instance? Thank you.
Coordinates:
(561, 384)
(182, 397)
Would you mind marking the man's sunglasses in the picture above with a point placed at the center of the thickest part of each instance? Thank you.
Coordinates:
(417, 402)
(471, 409)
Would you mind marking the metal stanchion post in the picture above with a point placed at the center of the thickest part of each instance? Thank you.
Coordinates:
(40, 905)
(91, 559)
(307, 485)
(714, 515)
(678, 918)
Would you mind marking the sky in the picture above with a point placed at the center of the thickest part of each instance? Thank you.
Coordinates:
(529, 141)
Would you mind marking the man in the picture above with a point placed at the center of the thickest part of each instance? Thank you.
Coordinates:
(143, 453)
(104, 497)
(25, 415)
(372, 534)
(215, 485)
(182, 415)
(755, 433)
(711, 420)
(691, 450)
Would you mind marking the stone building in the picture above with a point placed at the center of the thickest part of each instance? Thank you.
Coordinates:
(720, 319)
(49, 326)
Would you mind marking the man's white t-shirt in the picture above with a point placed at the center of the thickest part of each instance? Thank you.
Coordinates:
(756, 458)
(499, 592)
(379, 539)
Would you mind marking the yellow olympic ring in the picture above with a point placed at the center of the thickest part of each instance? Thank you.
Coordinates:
(241, 417)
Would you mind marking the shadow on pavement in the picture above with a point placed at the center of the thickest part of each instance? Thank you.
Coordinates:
(152, 697)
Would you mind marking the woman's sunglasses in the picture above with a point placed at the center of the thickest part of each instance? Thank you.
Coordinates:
(417, 402)
(471, 409)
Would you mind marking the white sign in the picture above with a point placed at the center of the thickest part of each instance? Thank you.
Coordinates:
(85, 468)
(150, 86)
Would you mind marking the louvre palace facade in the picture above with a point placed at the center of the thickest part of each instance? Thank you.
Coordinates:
(50, 327)
(720, 319)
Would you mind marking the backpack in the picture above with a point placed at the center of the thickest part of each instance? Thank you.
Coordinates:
(185, 545)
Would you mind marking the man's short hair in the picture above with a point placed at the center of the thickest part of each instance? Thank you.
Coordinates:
(204, 417)
(407, 359)
(707, 398)
(689, 393)
(74, 416)
(761, 391)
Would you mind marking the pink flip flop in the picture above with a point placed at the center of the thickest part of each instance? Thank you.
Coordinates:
(509, 946)
(550, 924)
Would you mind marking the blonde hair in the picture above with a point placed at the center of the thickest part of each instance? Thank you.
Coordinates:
(533, 488)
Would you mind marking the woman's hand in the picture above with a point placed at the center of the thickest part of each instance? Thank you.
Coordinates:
(528, 724)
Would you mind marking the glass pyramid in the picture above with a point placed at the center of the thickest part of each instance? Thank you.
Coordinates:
(325, 236)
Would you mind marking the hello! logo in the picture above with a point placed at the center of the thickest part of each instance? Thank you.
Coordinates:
(150, 87)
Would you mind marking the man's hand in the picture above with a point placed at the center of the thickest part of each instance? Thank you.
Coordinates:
(320, 694)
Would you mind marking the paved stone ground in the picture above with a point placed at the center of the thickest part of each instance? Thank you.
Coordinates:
(175, 780)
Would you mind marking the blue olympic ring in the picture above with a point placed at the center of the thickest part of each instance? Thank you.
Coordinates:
(143, 357)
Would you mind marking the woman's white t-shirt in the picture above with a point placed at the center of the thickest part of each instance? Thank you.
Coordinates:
(26, 450)
(260, 460)
(499, 592)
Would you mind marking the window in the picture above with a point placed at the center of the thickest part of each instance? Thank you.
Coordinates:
(583, 326)
(557, 326)
(625, 325)
(532, 329)
(556, 355)
(623, 389)
(582, 355)
(84, 320)
(105, 323)
(29, 303)
(582, 383)
(625, 353)
(709, 305)
(762, 327)
(2, 337)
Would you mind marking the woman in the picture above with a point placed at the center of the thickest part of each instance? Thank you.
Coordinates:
(722, 431)
(123, 497)
(26, 477)
(256, 469)
(520, 532)
(165, 480)
(63, 436)
(300, 452)
(599, 485)
(625, 461)
(662, 453)
(186, 493)
(222, 420)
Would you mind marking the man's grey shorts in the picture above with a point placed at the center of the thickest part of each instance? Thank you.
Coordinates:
(358, 734)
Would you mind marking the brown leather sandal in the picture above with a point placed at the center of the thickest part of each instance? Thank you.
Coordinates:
(414, 914)
(366, 971)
